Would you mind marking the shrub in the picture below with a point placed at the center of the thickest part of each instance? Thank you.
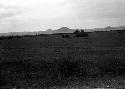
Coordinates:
(80, 33)
(76, 32)
(2, 37)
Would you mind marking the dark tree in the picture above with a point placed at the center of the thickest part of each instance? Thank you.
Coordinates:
(76, 32)
(80, 33)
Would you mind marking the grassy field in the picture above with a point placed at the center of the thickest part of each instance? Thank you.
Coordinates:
(74, 62)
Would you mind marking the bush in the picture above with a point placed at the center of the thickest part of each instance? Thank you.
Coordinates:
(80, 33)
(2, 37)
(76, 32)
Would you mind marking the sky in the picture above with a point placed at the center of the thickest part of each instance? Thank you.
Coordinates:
(39, 15)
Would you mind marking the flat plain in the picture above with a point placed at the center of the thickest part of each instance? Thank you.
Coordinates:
(53, 61)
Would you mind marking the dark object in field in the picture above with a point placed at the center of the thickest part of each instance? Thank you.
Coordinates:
(80, 33)
(121, 31)
(76, 32)
(65, 36)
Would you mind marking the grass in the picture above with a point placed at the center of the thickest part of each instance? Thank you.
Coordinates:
(62, 72)
(52, 61)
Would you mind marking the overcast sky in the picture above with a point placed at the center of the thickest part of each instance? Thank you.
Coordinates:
(36, 15)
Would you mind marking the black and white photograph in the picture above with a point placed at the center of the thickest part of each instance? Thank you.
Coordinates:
(62, 44)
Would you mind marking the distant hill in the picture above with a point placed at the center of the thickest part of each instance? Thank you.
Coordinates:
(109, 28)
(61, 30)
(64, 30)
(49, 31)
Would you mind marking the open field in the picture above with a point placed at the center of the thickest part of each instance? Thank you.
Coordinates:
(52, 61)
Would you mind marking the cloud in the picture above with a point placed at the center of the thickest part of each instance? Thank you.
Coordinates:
(7, 11)
(32, 15)
(98, 9)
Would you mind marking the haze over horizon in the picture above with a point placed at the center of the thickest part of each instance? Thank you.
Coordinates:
(38, 15)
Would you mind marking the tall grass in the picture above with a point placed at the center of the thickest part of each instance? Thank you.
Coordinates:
(59, 70)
